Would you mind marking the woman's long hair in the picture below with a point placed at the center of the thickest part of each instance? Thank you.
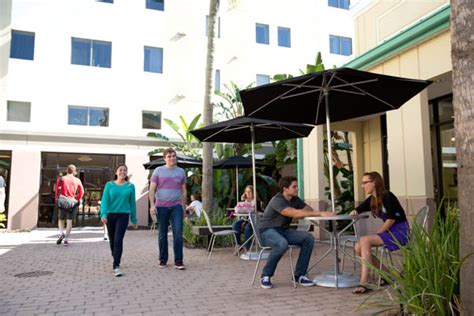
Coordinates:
(116, 168)
(376, 200)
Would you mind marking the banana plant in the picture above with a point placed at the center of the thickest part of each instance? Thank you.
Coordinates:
(189, 144)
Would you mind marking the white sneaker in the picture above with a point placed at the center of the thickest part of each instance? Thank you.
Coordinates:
(117, 272)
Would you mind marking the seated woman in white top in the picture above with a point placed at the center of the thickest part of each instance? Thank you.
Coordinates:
(194, 209)
(244, 207)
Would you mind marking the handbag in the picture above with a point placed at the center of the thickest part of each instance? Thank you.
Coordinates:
(64, 202)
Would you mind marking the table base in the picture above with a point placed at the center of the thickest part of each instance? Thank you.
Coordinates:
(253, 256)
(344, 279)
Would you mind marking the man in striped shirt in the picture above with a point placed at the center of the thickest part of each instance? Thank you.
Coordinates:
(167, 197)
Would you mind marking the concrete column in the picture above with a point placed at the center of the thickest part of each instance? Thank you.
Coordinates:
(409, 154)
(24, 188)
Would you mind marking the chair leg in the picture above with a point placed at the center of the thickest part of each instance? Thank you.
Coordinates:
(213, 240)
(343, 255)
(382, 254)
(256, 267)
(354, 254)
(292, 268)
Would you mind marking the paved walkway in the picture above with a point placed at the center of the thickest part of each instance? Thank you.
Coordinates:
(80, 281)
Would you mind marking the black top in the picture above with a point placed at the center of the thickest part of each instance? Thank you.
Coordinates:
(272, 216)
(391, 207)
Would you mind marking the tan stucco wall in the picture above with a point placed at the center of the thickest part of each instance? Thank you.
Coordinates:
(24, 188)
(383, 19)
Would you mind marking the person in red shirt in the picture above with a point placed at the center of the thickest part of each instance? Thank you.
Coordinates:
(71, 187)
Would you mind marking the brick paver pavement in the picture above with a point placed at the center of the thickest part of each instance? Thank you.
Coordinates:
(82, 281)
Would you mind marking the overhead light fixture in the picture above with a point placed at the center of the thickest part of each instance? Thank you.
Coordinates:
(84, 158)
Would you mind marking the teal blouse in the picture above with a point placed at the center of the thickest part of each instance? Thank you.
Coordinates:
(119, 199)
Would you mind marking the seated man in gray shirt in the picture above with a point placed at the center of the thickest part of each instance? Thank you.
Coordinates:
(276, 233)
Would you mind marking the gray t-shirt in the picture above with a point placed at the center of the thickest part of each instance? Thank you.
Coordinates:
(3, 184)
(272, 215)
(169, 182)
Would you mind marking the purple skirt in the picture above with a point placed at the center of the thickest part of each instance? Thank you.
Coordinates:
(398, 232)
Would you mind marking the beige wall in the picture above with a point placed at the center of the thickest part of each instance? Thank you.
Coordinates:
(383, 19)
(24, 188)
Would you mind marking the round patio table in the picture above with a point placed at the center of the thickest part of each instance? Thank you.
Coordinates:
(336, 278)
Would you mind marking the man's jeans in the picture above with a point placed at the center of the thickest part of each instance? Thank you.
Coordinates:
(165, 215)
(117, 226)
(279, 238)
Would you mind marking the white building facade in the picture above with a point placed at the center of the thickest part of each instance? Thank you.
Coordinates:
(84, 81)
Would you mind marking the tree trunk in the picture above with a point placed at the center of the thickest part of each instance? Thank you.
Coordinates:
(207, 174)
(462, 52)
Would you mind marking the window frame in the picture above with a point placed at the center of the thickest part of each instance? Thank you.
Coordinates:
(88, 115)
(147, 62)
(266, 28)
(92, 54)
(340, 4)
(25, 54)
(149, 6)
(262, 76)
(144, 112)
(10, 104)
(339, 45)
(280, 42)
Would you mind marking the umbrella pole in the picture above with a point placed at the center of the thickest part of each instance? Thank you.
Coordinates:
(237, 185)
(252, 133)
(328, 127)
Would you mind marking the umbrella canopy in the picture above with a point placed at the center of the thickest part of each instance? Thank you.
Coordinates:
(182, 160)
(329, 95)
(352, 93)
(237, 162)
(251, 130)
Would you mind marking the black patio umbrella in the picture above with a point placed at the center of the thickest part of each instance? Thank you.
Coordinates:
(237, 162)
(251, 131)
(182, 161)
(329, 96)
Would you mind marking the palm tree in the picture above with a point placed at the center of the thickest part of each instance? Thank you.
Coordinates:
(207, 176)
(462, 54)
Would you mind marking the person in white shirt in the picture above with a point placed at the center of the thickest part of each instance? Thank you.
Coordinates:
(194, 209)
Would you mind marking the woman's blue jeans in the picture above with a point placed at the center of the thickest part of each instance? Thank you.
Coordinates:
(248, 231)
(117, 224)
(165, 216)
(279, 238)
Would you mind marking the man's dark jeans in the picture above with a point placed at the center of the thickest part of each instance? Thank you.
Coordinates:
(117, 224)
(165, 215)
(279, 238)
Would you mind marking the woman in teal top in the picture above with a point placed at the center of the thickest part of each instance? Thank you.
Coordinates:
(117, 206)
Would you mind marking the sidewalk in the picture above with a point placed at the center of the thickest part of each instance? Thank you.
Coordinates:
(78, 280)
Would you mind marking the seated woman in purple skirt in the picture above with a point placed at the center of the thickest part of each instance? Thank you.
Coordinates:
(385, 205)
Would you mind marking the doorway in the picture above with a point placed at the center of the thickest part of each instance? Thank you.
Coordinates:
(94, 171)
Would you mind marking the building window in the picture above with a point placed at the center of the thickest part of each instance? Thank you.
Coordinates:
(262, 79)
(218, 23)
(341, 4)
(340, 45)
(155, 5)
(262, 34)
(153, 59)
(151, 119)
(106, 1)
(284, 37)
(91, 53)
(22, 45)
(88, 116)
(217, 81)
(18, 111)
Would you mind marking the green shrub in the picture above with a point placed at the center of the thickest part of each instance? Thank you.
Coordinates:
(3, 218)
(428, 282)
